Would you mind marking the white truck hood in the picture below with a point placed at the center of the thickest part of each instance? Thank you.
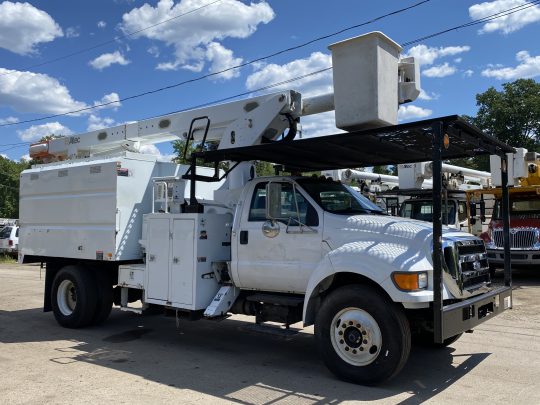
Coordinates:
(400, 242)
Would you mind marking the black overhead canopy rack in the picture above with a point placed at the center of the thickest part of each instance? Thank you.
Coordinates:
(404, 143)
(435, 139)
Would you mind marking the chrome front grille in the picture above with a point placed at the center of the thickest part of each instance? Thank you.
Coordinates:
(520, 238)
(466, 261)
(473, 263)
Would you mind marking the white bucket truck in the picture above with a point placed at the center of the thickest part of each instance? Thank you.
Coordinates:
(114, 225)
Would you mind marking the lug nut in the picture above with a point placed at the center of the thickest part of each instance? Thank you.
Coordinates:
(358, 325)
(350, 322)
(364, 332)
(365, 341)
(341, 341)
(361, 349)
(346, 348)
(354, 351)
(340, 332)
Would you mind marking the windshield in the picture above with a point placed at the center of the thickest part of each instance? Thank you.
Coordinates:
(520, 207)
(423, 211)
(5, 232)
(337, 198)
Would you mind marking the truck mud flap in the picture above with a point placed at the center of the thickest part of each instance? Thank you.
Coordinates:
(466, 315)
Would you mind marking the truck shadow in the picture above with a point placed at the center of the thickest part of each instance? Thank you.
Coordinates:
(231, 361)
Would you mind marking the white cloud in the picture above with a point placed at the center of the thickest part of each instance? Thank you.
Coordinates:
(101, 24)
(312, 85)
(154, 51)
(424, 95)
(222, 58)
(26, 158)
(427, 55)
(508, 23)
(111, 100)
(191, 35)
(8, 120)
(108, 59)
(153, 150)
(468, 73)
(528, 67)
(72, 32)
(440, 70)
(36, 132)
(319, 125)
(407, 112)
(22, 27)
(35, 92)
(40, 93)
(96, 122)
(458, 60)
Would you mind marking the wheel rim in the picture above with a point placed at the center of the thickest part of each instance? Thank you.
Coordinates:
(356, 336)
(66, 297)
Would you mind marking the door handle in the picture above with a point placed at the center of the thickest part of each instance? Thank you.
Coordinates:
(243, 237)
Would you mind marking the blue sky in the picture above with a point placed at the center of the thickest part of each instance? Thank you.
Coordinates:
(456, 66)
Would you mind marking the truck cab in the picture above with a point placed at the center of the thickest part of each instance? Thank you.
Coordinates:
(454, 211)
(524, 229)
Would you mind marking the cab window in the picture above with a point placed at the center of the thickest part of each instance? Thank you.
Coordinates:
(290, 208)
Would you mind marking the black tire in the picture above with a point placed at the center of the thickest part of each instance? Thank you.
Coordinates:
(104, 297)
(392, 323)
(82, 287)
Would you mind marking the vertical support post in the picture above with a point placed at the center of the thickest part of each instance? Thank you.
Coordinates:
(505, 211)
(446, 206)
(438, 133)
(193, 177)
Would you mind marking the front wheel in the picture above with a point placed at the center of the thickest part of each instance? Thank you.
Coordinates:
(362, 336)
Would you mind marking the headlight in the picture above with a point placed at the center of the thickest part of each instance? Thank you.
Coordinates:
(410, 281)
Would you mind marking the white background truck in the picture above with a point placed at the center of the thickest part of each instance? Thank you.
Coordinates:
(117, 226)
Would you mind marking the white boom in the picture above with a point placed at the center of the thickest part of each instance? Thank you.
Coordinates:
(417, 175)
(365, 68)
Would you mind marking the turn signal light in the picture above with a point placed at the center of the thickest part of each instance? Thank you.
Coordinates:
(410, 281)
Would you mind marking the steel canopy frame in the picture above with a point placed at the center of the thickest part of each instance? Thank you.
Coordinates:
(435, 139)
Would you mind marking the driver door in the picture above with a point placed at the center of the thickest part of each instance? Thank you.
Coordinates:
(283, 262)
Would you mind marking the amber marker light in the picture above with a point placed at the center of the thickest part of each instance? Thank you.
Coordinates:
(446, 141)
(410, 281)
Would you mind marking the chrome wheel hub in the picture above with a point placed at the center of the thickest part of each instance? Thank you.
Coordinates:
(356, 336)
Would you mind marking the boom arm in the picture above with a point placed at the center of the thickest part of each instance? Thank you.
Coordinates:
(240, 123)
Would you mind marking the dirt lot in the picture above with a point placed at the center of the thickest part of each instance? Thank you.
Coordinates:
(134, 359)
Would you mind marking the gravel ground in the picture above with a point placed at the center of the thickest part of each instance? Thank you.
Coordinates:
(136, 359)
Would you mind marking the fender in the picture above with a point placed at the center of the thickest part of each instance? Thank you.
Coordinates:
(374, 261)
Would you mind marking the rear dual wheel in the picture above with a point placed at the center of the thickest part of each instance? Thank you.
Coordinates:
(80, 297)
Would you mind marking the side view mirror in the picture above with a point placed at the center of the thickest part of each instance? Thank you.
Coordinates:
(273, 201)
(472, 213)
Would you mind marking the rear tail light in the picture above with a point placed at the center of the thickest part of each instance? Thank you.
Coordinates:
(10, 243)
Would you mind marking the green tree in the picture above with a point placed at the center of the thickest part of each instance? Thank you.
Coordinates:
(512, 115)
(382, 170)
(9, 186)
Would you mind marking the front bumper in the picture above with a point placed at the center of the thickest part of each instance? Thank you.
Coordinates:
(465, 315)
(518, 257)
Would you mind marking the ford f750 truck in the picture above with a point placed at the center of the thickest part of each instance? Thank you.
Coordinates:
(117, 226)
